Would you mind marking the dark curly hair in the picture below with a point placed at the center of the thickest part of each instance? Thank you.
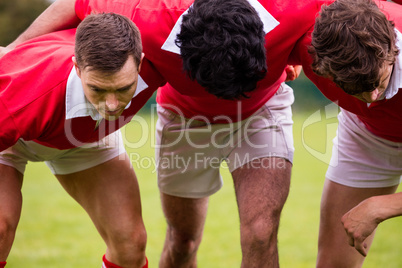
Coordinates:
(222, 47)
(351, 43)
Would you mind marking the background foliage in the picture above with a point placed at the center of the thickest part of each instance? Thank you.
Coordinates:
(16, 16)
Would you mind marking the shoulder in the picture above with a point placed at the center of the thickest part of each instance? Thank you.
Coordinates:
(44, 69)
(393, 12)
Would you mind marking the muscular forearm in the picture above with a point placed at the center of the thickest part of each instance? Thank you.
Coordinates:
(58, 16)
(388, 206)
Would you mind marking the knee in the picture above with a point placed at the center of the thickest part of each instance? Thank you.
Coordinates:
(8, 226)
(128, 244)
(184, 245)
(260, 232)
(7, 234)
(138, 240)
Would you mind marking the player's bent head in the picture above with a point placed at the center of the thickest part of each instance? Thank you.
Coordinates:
(222, 46)
(105, 41)
(352, 43)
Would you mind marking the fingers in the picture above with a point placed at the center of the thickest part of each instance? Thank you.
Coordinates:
(358, 242)
(292, 72)
(355, 235)
(298, 69)
(361, 247)
(351, 240)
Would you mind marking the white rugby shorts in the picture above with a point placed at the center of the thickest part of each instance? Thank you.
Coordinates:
(63, 161)
(189, 152)
(361, 159)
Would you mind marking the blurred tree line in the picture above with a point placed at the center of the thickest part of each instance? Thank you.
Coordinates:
(307, 96)
(16, 16)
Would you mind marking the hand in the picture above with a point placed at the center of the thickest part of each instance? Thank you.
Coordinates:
(292, 71)
(359, 223)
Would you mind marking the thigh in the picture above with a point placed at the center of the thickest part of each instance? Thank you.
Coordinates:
(262, 187)
(10, 193)
(337, 199)
(12, 166)
(108, 192)
(10, 206)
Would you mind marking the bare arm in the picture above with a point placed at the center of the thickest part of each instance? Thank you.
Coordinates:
(58, 16)
(362, 220)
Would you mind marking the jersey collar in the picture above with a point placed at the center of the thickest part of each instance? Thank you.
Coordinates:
(267, 19)
(395, 82)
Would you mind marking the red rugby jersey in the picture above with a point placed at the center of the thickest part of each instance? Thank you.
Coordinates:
(156, 19)
(286, 44)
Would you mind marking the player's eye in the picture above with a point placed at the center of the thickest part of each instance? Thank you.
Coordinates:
(97, 90)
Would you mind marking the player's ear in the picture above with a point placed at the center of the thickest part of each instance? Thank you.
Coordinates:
(374, 95)
(139, 65)
(77, 69)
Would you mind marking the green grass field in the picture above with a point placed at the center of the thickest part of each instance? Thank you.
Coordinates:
(54, 232)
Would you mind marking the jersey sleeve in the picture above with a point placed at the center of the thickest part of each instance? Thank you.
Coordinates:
(396, 1)
(151, 75)
(8, 131)
(32, 87)
(82, 8)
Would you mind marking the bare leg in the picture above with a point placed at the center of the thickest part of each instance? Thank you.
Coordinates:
(333, 247)
(10, 207)
(262, 187)
(110, 195)
(185, 219)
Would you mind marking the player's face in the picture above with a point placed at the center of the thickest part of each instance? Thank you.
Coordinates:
(110, 93)
(378, 93)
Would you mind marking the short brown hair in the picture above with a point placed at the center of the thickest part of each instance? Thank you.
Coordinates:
(351, 42)
(104, 42)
